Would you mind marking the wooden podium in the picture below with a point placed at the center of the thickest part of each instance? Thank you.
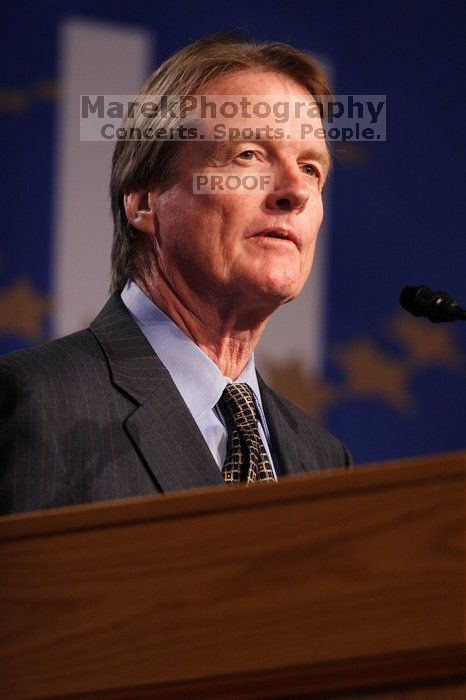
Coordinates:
(342, 584)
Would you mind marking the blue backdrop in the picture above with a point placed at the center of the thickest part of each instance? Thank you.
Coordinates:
(392, 386)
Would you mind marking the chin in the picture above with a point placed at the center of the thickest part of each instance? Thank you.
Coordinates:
(276, 290)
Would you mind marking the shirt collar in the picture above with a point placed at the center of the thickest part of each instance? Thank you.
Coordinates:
(196, 376)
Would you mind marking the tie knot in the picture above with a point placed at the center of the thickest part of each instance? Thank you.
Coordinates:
(239, 401)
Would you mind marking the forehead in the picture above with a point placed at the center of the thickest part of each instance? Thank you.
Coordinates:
(252, 101)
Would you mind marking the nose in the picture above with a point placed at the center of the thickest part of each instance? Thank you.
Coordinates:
(290, 190)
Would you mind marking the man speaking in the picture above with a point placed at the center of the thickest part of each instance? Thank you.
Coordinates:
(213, 231)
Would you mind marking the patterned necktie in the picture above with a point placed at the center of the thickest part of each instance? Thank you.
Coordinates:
(246, 459)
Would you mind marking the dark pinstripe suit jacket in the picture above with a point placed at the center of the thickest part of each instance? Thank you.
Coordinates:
(96, 416)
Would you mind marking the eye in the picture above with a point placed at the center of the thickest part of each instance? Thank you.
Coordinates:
(246, 155)
(310, 170)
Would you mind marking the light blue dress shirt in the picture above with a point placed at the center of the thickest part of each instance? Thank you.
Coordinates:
(197, 378)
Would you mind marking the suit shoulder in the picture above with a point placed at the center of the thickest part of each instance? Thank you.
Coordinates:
(313, 433)
(67, 354)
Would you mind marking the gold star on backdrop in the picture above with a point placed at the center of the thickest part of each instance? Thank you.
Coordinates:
(22, 311)
(425, 343)
(370, 373)
(46, 89)
(311, 394)
(19, 100)
(13, 101)
(354, 155)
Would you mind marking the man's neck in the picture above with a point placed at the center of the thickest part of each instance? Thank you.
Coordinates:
(225, 336)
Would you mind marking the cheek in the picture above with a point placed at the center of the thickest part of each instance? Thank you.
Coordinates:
(315, 215)
(194, 234)
(317, 208)
(313, 228)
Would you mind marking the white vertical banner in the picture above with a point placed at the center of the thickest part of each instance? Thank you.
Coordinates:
(95, 58)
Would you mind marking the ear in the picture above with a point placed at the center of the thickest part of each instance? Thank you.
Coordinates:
(141, 210)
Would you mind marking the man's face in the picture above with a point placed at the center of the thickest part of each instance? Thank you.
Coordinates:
(254, 248)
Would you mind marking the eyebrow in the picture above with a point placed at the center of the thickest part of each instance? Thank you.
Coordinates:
(322, 157)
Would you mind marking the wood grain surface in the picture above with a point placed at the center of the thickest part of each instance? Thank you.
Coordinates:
(333, 583)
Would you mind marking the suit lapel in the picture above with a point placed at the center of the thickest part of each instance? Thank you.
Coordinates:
(160, 426)
(293, 456)
(171, 443)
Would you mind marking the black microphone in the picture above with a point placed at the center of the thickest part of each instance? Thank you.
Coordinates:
(436, 306)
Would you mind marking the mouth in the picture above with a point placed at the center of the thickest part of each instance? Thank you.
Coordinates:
(279, 233)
